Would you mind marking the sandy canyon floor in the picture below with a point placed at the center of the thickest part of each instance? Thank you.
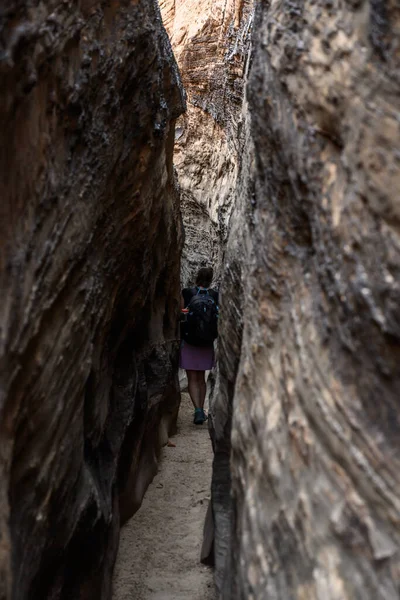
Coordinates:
(159, 550)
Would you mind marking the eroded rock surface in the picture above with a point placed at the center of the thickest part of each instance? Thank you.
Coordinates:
(90, 245)
(210, 39)
(314, 256)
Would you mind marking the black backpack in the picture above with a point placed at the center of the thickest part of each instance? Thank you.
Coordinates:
(201, 327)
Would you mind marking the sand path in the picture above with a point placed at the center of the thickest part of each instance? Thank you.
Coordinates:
(159, 551)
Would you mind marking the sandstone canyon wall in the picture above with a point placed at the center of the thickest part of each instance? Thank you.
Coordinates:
(90, 261)
(309, 352)
(210, 39)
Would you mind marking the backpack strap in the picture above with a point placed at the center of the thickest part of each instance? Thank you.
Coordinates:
(201, 290)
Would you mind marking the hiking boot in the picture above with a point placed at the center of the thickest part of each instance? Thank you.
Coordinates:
(199, 416)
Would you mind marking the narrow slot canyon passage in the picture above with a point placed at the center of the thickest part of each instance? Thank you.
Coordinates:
(159, 550)
(143, 140)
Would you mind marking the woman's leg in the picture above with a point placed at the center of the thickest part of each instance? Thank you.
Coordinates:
(197, 392)
(201, 383)
(194, 388)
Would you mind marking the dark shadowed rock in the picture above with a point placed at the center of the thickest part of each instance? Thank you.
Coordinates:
(90, 256)
(311, 369)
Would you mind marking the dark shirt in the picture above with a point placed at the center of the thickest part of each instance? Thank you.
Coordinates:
(188, 293)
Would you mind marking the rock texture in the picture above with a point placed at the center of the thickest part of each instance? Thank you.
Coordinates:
(210, 39)
(90, 259)
(311, 366)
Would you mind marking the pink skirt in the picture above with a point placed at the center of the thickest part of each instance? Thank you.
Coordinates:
(196, 358)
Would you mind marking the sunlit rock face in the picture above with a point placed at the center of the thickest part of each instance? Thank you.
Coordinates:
(210, 39)
(309, 352)
(90, 261)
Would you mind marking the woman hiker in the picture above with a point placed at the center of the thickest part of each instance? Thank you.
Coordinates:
(199, 330)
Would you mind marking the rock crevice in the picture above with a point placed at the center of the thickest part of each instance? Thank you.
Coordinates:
(210, 41)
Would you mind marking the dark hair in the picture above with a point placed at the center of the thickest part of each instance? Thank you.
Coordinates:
(204, 277)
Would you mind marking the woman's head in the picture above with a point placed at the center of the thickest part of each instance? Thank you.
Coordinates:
(204, 277)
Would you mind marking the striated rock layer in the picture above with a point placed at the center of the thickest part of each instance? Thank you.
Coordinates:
(309, 351)
(90, 261)
(210, 39)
